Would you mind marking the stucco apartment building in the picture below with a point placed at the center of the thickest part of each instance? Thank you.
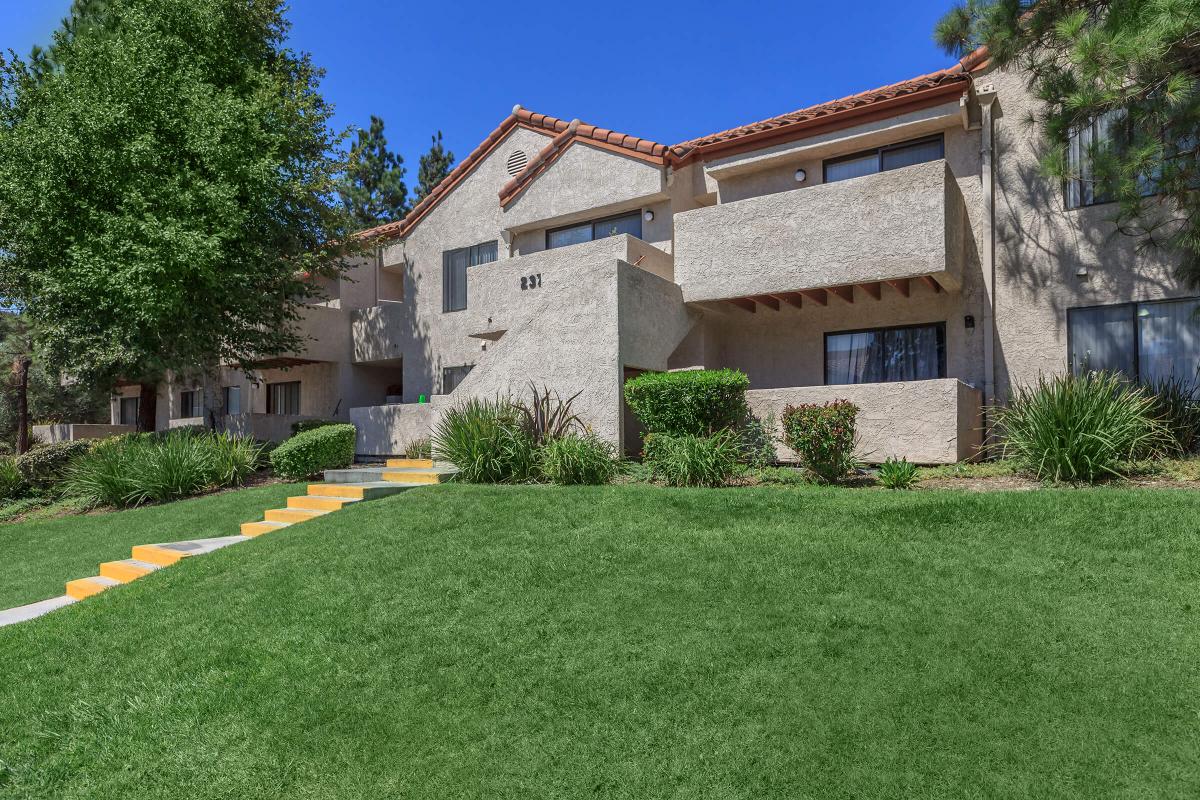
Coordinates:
(897, 247)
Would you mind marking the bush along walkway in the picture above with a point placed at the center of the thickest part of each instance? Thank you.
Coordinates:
(341, 487)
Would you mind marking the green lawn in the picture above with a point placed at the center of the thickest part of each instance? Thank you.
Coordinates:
(39, 557)
(637, 642)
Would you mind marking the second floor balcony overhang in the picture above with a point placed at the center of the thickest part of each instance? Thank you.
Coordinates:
(898, 227)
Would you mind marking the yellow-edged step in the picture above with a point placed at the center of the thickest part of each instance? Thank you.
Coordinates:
(338, 490)
(291, 514)
(86, 587)
(259, 528)
(410, 463)
(412, 477)
(317, 503)
(123, 571)
(154, 554)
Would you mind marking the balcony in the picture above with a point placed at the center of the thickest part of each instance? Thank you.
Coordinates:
(379, 332)
(892, 227)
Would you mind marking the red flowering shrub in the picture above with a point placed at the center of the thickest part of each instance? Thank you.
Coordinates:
(824, 438)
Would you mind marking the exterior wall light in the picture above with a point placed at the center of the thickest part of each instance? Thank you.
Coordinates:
(801, 175)
(648, 216)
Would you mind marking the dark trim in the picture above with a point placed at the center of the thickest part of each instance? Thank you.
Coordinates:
(593, 223)
(467, 367)
(878, 153)
(940, 326)
(446, 255)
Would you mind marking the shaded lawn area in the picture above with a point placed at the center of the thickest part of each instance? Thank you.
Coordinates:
(637, 642)
(40, 556)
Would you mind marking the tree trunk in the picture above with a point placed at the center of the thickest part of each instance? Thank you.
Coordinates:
(20, 369)
(148, 407)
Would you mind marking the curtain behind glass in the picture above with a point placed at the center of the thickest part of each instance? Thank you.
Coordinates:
(911, 154)
(852, 168)
(1169, 340)
(1102, 339)
(913, 354)
(566, 236)
(630, 223)
(853, 358)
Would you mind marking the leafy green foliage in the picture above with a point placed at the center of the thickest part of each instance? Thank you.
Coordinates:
(824, 437)
(578, 459)
(488, 441)
(1176, 404)
(12, 483)
(897, 473)
(43, 467)
(421, 447)
(687, 460)
(547, 416)
(176, 160)
(693, 402)
(1131, 63)
(373, 191)
(1080, 427)
(435, 166)
(312, 452)
(302, 425)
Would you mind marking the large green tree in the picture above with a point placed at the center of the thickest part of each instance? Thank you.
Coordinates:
(1128, 66)
(373, 191)
(165, 184)
(435, 165)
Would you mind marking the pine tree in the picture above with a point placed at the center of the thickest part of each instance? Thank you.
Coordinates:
(373, 191)
(435, 166)
(1132, 64)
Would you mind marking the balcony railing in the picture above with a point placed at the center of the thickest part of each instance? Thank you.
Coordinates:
(380, 332)
(895, 225)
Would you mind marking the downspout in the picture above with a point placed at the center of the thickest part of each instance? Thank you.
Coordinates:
(986, 95)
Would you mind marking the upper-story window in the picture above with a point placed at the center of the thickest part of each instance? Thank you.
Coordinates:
(454, 272)
(882, 159)
(1086, 144)
(599, 229)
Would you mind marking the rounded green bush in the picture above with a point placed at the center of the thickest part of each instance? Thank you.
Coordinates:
(576, 459)
(824, 437)
(689, 403)
(312, 452)
(42, 468)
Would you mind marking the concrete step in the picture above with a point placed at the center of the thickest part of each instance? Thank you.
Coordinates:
(259, 528)
(362, 490)
(86, 587)
(164, 555)
(291, 514)
(128, 570)
(12, 616)
(315, 502)
(409, 463)
(389, 475)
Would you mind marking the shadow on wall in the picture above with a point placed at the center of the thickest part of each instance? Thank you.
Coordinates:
(393, 330)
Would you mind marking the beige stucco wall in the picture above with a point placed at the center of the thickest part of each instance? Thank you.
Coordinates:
(386, 430)
(927, 422)
(49, 434)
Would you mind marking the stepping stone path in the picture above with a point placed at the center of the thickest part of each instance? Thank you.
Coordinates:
(341, 488)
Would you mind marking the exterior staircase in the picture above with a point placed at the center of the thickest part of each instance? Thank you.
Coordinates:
(341, 488)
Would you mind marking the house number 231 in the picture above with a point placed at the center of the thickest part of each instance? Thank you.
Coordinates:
(531, 281)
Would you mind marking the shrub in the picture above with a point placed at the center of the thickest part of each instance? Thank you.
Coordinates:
(314, 451)
(898, 474)
(694, 403)
(12, 485)
(757, 441)
(824, 437)
(421, 447)
(1176, 404)
(693, 460)
(488, 441)
(547, 416)
(1080, 427)
(44, 467)
(236, 458)
(576, 459)
(303, 425)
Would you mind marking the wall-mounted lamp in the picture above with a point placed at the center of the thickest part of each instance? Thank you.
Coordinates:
(648, 216)
(801, 175)
(1081, 272)
(969, 321)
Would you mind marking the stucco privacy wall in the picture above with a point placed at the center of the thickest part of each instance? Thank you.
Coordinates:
(49, 434)
(386, 430)
(888, 225)
(1041, 246)
(927, 422)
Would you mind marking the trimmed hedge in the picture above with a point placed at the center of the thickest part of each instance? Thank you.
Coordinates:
(43, 467)
(312, 452)
(303, 425)
(690, 403)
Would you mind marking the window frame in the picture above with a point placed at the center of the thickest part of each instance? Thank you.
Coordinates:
(137, 410)
(878, 152)
(592, 224)
(271, 398)
(226, 393)
(1133, 306)
(474, 255)
(196, 403)
(943, 347)
(467, 367)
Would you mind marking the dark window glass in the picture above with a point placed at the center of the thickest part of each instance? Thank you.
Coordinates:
(232, 399)
(1103, 339)
(189, 404)
(454, 272)
(453, 376)
(893, 156)
(599, 229)
(1146, 341)
(128, 414)
(283, 398)
(912, 353)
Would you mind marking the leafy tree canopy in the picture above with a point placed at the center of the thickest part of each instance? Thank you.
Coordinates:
(435, 165)
(373, 189)
(1131, 64)
(165, 178)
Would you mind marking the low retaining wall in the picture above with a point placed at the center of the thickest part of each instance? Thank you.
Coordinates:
(385, 430)
(927, 422)
(67, 433)
(265, 427)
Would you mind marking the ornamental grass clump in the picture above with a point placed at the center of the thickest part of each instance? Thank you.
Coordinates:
(1081, 427)
(897, 473)
(578, 459)
(1176, 404)
(689, 460)
(824, 438)
(12, 485)
(421, 447)
(488, 441)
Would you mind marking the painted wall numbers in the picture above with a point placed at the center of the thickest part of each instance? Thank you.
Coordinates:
(531, 281)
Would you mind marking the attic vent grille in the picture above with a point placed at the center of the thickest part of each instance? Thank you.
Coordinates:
(516, 162)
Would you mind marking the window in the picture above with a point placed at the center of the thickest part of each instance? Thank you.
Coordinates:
(1082, 144)
(189, 404)
(283, 398)
(1146, 341)
(231, 397)
(454, 272)
(911, 353)
(127, 413)
(453, 376)
(894, 156)
(599, 229)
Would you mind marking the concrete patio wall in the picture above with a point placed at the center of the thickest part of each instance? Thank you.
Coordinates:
(69, 433)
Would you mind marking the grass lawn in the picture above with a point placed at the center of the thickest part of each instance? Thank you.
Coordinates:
(40, 556)
(636, 642)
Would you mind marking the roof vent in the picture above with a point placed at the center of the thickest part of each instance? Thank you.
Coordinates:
(516, 162)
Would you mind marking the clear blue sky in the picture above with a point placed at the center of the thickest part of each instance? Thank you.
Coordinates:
(661, 71)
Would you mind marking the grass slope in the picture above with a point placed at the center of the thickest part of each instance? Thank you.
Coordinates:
(39, 557)
(637, 642)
